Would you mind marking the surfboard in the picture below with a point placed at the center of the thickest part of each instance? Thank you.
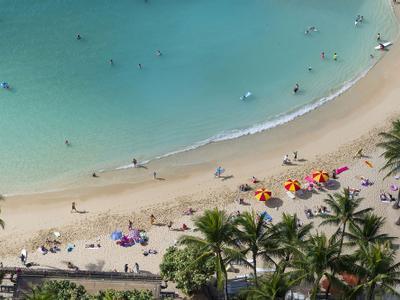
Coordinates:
(247, 95)
(384, 44)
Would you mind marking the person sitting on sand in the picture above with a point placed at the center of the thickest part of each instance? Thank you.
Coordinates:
(254, 179)
(334, 174)
(382, 196)
(184, 227)
(241, 201)
(94, 175)
(286, 159)
(73, 209)
(152, 219)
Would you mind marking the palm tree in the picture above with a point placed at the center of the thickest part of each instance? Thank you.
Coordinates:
(289, 236)
(377, 270)
(391, 146)
(253, 234)
(218, 233)
(368, 231)
(343, 211)
(318, 258)
(274, 287)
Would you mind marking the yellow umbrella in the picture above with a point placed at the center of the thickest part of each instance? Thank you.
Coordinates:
(320, 176)
(292, 185)
(263, 194)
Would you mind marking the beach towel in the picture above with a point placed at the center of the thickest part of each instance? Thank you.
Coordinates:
(266, 217)
(290, 195)
(341, 170)
(369, 164)
(309, 179)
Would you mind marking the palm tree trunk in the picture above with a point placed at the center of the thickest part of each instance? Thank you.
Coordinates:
(255, 268)
(226, 284)
(287, 258)
(371, 290)
(328, 289)
(314, 291)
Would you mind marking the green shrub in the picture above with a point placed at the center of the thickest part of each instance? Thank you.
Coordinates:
(184, 267)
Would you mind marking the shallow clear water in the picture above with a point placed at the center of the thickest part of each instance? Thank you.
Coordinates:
(213, 52)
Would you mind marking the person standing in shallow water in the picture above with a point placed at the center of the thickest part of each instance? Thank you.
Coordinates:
(78, 36)
(296, 88)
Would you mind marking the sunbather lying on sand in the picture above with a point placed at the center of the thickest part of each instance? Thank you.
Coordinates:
(189, 211)
(71, 266)
(92, 246)
(359, 154)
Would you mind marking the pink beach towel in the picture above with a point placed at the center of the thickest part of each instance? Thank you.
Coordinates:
(309, 179)
(341, 170)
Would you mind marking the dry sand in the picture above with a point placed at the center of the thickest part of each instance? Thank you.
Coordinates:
(325, 138)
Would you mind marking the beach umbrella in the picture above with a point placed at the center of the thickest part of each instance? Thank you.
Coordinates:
(292, 185)
(320, 176)
(263, 194)
(116, 235)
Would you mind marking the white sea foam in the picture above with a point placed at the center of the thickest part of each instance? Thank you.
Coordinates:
(276, 121)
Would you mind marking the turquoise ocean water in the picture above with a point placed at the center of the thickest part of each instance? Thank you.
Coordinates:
(213, 52)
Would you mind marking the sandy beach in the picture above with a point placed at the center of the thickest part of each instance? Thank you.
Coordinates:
(326, 138)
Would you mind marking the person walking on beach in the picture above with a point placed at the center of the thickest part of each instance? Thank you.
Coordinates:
(134, 161)
(294, 155)
(126, 268)
(137, 270)
(154, 175)
(169, 225)
(73, 208)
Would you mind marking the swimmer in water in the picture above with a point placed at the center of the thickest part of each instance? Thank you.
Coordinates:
(140, 66)
(322, 55)
(78, 36)
(158, 53)
(111, 62)
(334, 56)
(371, 56)
(378, 37)
(309, 69)
(67, 143)
(296, 88)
